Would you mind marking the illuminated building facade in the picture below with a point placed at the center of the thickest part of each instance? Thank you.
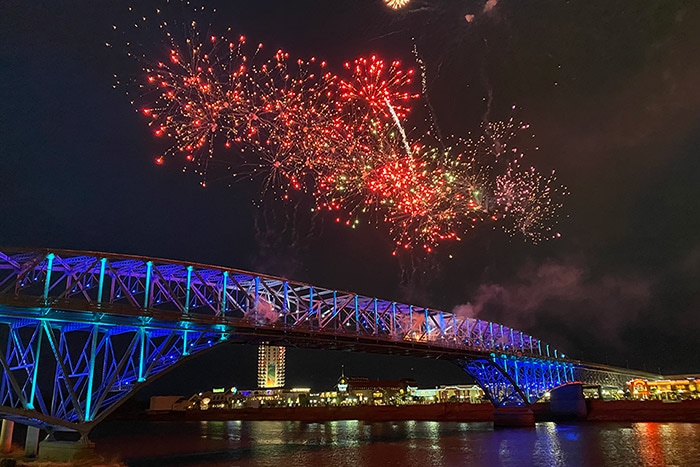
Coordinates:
(678, 387)
(270, 366)
(373, 392)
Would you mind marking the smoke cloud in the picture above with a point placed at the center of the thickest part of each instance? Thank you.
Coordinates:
(263, 313)
(563, 303)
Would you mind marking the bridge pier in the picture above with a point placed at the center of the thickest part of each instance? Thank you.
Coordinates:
(8, 427)
(51, 449)
(504, 417)
(31, 442)
(567, 402)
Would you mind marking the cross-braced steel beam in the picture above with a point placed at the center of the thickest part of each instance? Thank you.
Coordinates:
(62, 374)
(517, 382)
(130, 285)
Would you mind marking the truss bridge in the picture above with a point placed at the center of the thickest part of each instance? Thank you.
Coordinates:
(81, 331)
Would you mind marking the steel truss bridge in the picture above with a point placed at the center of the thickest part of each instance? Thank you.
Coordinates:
(82, 331)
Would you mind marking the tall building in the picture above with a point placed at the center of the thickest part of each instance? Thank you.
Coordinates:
(270, 366)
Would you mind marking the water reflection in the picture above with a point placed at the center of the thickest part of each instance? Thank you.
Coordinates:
(355, 443)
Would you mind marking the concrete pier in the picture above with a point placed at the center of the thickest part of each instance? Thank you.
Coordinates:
(31, 443)
(513, 417)
(65, 451)
(6, 435)
(567, 402)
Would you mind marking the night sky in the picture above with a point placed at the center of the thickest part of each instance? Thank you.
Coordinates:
(611, 89)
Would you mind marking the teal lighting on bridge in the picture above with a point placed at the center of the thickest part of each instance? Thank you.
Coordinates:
(224, 288)
(35, 372)
(256, 297)
(185, 351)
(311, 300)
(49, 267)
(142, 352)
(285, 297)
(91, 373)
(376, 316)
(147, 286)
(100, 288)
(223, 329)
(188, 287)
(356, 300)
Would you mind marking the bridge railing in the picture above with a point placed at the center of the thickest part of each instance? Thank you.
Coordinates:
(122, 284)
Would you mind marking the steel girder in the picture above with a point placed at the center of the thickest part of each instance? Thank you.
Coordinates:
(60, 374)
(117, 284)
(599, 375)
(517, 382)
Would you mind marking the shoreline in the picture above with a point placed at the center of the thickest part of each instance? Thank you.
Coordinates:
(597, 411)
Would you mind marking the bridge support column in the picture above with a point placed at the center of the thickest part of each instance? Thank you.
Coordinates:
(513, 417)
(567, 402)
(31, 443)
(66, 451)
(6, 435)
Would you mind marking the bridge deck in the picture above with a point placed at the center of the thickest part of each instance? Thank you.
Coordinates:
(107, 284)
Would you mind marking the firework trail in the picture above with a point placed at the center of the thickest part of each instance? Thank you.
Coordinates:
(340, 139)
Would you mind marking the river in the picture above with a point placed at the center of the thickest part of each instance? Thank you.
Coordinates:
(356, 444)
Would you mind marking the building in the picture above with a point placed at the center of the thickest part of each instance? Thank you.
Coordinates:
(223, 398)
(460, 393)
(352, 391)
(270, 366)
(162, 404)
(677, 387)
(349, 392)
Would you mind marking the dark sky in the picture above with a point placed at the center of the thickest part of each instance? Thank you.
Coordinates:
(610, 88)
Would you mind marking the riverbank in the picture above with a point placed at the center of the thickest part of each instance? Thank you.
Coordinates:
(643, 411)
(607, 411)
(383, 413)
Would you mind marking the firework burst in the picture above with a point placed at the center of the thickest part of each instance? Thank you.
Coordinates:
(396, 4)
(378, 89)
(529, 202)
(339, 139)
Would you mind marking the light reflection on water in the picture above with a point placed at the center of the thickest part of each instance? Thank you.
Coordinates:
(356, 444)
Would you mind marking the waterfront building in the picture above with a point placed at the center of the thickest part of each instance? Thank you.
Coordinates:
(460, 393)
(676, 387)
(353, 390)
(277, 397)
(232, 398)
(424, 395)
(602, 392)
(271, 360)
(349, 391)
(453, 393)
(161, 404)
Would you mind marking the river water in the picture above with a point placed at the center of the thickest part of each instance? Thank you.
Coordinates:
(423, 444)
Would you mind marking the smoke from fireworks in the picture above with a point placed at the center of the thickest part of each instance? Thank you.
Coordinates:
(339, 138)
